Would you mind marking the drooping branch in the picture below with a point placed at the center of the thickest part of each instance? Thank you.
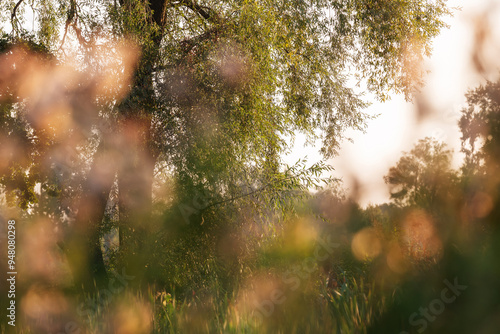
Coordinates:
(79, 35)
(13, 17)
(15, 9)
(237, 197)
(69, 20)
(259, 190)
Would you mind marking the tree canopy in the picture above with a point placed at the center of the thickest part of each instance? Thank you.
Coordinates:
(100, 94)
(480, 128)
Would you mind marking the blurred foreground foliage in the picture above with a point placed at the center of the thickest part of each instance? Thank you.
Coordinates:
(144, 141)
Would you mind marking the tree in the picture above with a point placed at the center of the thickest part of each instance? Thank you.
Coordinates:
(423, 176)
(480, 127)
(216, 89)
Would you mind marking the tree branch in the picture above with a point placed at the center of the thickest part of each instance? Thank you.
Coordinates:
(189, 43)
(205, 12)
(250, 193)
(232, 199)
(79, 35)
(13, 16)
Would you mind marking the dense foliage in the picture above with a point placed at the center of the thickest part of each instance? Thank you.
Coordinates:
(210, 91)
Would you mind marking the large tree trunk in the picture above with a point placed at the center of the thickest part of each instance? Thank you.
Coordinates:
(130, 154)
(83, 245)
(135, 189)
(136, 171)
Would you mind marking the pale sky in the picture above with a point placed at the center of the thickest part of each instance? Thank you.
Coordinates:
(371, 155)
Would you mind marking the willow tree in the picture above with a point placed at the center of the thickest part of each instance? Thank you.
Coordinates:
(218, 89)
(422, 177)
(480, 130)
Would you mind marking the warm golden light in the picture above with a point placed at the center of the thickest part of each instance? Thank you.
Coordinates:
(420, 235)
(366, 244)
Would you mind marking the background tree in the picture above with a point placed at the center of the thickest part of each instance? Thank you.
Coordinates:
(480, 126)
(422, 177)
(467, 226)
